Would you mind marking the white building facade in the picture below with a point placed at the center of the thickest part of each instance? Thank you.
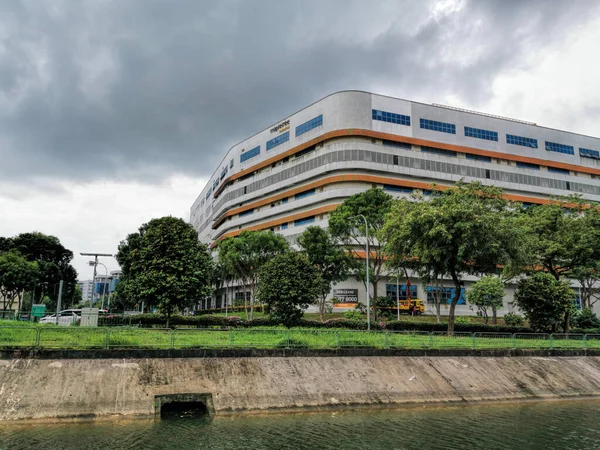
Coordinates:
(295, 172)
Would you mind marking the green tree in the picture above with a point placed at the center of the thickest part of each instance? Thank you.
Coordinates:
(544, 300)
(54, 264)
(165, 266)
(346, 225)
(246, 254)
(16, 275)
(464, 230)
(288, 284)
(487, 293)
(329, 259)
(565, 242)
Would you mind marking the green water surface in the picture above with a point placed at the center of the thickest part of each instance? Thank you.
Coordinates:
(547, 426)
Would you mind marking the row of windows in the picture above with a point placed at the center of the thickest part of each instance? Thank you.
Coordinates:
(557, 170)
(404, 161)
(223, 172)
(247, 213)
(478, 157)
(304, 221)
(304, 194)
(390, 291)
(524, 165)
(446, 295)
(481, 134)
(307, 126)
(438, 151)
(250, 154)
(283, 137)
(389, 117)
(438, 126)
(520, 140)
(560, 148)
(395, 144)
(587, 153)
(392, 188)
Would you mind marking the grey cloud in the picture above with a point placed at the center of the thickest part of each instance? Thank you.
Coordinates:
(140, 89)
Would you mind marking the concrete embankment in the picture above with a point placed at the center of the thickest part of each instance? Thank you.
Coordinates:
(70, 388)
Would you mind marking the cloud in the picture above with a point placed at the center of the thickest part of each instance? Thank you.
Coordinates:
(97, 90)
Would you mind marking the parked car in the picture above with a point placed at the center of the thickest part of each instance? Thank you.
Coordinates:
(65, 317)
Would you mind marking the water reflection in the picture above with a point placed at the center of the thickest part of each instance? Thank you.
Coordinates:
(551, 425)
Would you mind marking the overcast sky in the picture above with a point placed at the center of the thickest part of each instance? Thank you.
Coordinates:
(115, 112)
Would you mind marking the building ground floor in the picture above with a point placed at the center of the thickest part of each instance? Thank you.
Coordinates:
(346, 295)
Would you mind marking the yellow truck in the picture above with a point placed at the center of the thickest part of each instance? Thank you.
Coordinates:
(412, 307)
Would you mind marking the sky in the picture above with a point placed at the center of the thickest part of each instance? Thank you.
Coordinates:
(114, 112)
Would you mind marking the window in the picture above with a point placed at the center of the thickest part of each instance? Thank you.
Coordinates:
(404, 190)
(304, 221)
(519, 140)
(432, 192)
(231, 164)
(304, 194)
(215, 184)
(284, 137)
(481, 134)
(395, 144)
(438, 151)
(223, 172)
(524, 165)
(560, 148)
(438, 126)
(446, 295)
(307, 126)
(247, 213)
(389, 117)
(208, 194)
(284, 227)
(284, 201)
(557, 170)
(390, 291)
(478, 157)
(587, 153)
(250, 154)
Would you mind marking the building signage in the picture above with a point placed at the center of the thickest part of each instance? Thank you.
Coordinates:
(346, 295)
(38, 310)
(281, 127)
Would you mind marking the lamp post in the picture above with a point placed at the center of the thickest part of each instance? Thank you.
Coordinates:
(367, 268)
(94, 263)
(106, 280)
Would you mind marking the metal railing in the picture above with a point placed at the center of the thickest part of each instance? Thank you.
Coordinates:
(52, 337)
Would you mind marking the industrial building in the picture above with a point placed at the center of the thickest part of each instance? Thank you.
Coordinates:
(296, 171)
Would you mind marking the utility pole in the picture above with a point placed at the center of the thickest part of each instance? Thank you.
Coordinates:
(95, 255)
(59, 301)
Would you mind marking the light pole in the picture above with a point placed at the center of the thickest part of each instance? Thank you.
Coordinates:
(367, 268)
(95, 263)
(106, 280)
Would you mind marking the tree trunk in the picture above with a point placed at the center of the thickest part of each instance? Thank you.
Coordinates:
(438, 310)
(252, 301)
(567, 320)
(457, 287)
(374, 301)
(245, 301)
(494, 316)
(168, 318)
(322, 307)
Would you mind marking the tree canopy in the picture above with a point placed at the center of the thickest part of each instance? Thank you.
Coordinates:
(16, 275)
(463, 230)
(330, 260)
(289, 283)
(165, 266)
(544, 300)
(346, 225)
(487, 293)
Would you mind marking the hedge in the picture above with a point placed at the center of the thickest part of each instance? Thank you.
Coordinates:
(203, 321)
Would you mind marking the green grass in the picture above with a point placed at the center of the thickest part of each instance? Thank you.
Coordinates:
(51, 336)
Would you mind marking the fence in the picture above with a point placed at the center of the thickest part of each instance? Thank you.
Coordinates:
(52, 337)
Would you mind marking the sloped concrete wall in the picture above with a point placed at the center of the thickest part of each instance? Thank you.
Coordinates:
(86, 388)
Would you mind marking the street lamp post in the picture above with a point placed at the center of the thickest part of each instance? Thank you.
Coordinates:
(95, 263)
(106, 280)
(367, 268)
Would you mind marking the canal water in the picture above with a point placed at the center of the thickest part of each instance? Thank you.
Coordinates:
(547, 426)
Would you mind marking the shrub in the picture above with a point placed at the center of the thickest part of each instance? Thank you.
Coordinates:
(513, 319)
(461, 320)
(352, 315)
(585, 318)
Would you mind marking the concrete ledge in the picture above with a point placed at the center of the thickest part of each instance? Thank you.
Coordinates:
(34, 353)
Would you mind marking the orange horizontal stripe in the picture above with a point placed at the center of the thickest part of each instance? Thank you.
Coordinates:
(334, 179)
(406, 140)
(281, 220)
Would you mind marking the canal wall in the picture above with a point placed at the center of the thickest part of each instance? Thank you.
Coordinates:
(41, 388)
